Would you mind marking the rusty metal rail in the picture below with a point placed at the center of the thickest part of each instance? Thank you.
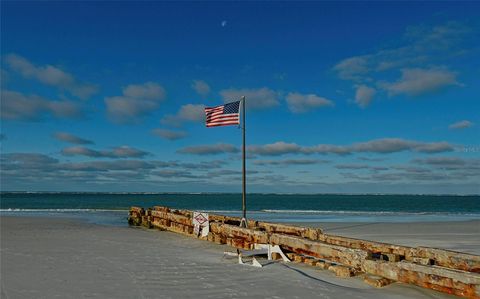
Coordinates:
(446, 271)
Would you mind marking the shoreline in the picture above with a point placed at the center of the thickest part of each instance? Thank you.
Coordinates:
(455, 235)
(274, 217)
(219, 192)
(48, 257)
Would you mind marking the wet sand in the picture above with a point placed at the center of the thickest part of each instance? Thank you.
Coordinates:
(53, 257)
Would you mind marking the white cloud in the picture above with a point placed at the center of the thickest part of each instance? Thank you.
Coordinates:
(289, 162)
(352, 68)
(352, 166)
(116, 152)
(215, 149)
(440, 37)
(201, 87)
(379, 146)
(50, 75)
(67, 137)
(169, 134)
(418, 81)
(461, 125)
(364, 95)
(326, 149)
(186, 113)
(255, 99)
(17, 106)
(421, 44)
(137, 101)
(300, 103)
(275, 149)
(148, 91)
(442, 161)
(418, 49)
(392, 145)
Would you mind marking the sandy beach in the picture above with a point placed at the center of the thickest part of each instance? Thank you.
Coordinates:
(53, 257)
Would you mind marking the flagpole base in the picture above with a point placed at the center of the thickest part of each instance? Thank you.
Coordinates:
(243, 223)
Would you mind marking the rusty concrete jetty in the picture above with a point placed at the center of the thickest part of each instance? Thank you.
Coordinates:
(379, 263)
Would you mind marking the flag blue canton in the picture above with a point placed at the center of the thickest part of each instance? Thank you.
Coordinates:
(231, 108)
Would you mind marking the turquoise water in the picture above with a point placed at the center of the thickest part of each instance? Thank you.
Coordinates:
(108, 208)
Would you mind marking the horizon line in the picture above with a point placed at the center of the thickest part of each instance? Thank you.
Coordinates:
(253, 193)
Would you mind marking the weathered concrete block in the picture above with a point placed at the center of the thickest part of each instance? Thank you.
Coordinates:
(138, 210)
(252, 224)
(159, 224)
(456, 282)
(447, 258)
(219, 239)
(291, 256)
(246, 234)
(276, 256)
(392, 257)
(310, 261)
(342, 271)
(422, 260)
(299, 258)
(371, 246)
(216, 238)
(180, 228)
(239, 243)
(305, 232)
(376, 281)
(346, 256)
(323, 264)
(161, 209)
(136, 221)
(172, 217)
(146, 222)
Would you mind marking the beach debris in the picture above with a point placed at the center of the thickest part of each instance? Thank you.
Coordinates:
(254, 263)
(446, 271)
(270, 250)
(258, 249)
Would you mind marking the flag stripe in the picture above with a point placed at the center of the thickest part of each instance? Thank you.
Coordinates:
(222, 117)
(234, 121)
(222, 124)
(214, 114)
(224, 120)
(214, 111)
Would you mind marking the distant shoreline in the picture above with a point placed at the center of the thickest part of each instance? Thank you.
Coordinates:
(220, 193)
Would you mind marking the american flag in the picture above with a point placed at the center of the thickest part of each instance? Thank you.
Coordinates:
(224, 115)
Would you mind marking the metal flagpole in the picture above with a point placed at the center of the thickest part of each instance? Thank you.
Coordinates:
(243, 223)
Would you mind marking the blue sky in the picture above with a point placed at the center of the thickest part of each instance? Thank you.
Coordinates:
(346, 97)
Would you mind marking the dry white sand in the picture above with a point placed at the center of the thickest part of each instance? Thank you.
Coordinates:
(60, 258)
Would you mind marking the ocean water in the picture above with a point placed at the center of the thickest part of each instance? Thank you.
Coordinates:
(112, 208)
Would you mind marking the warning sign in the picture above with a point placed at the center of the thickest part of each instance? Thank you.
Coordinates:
(200, 221)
